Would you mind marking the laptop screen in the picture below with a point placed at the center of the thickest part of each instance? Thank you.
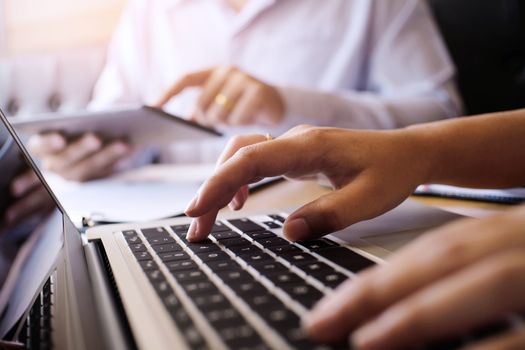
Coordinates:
(30, 232)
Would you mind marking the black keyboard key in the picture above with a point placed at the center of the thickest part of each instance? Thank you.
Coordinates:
(263, 301)
(242, 336)
(138, 247)
(173, 256)
(270, 267)
(257, 257)
(199, 287)
(246, 288)
(155, 275)
(155, 232)
(290, 248)
(273, 242)
(213, 256)
(142, 255)
(180, 229)
(203, 247)
(298, 258)
(160, 240)
(194, 337)
(219, 227)
(315, 267)
(179, 265)
(282, 319)
(129, 233)
(225, 235)
(171, 301)
(225, 317)
(331, 279)
(148, 265)
(277, 217)
(168, 247)
(346, 258)
(318, 244)
(133, 239)
(180, 316)
(162, 288)
(272, 224)
(245, 250)
(285, 277)
(211, 301)
(224, 265)
(256, 235)
(189, 275)
(234, 276)
(246, 225)
(239, 241)
(302, 293)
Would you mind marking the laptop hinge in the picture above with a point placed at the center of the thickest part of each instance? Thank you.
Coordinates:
(113, 322)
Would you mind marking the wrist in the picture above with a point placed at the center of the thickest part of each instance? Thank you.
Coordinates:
(425, 153)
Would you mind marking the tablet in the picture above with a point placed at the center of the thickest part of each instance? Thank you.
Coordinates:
(139, 126)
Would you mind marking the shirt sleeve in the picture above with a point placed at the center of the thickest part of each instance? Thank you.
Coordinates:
(119, 81)
(410, 78)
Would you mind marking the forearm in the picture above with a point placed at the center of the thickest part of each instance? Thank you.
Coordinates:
(485, 151)
(367, 110)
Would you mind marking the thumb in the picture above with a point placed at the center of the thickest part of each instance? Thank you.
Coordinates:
(359, 200)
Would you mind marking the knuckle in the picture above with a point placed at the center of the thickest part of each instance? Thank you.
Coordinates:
(313, 133)
(331, 217)
(299, 129)
(247, 152)
(452, 250)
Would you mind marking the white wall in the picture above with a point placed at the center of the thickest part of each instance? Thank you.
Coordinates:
(3, 43)
(34, 26)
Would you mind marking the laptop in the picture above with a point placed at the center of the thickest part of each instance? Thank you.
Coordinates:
(143, 286)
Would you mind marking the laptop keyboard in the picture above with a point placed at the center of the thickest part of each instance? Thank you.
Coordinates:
(250, 284)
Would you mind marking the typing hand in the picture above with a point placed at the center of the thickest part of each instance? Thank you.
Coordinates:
(83, 159)
(230, 96)
(463, 275)
(30, 198)
(368, 179)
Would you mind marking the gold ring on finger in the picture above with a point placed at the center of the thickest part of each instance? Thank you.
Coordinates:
(223, 101)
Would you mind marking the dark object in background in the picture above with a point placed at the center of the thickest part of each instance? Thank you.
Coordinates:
(486, 39)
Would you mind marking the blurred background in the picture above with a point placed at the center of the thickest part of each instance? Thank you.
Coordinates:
(52, 51)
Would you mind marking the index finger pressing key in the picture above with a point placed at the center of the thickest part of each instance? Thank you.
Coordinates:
(247, 165)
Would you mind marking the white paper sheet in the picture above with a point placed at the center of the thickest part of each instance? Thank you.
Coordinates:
(124, 199)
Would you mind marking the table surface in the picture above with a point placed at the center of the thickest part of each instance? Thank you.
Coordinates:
(295, 193)
(287, 194)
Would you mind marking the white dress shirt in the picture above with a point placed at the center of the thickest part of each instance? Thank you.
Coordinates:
(347, 63)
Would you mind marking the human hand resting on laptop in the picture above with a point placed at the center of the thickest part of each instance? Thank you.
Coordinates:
(371, 171)
(230, 96)
(85, 158)
(464, 275)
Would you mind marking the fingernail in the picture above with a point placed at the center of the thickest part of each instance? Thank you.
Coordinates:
(191, 206)
(234, 204)
(370, 335)
(192, 231)
(297, 229)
